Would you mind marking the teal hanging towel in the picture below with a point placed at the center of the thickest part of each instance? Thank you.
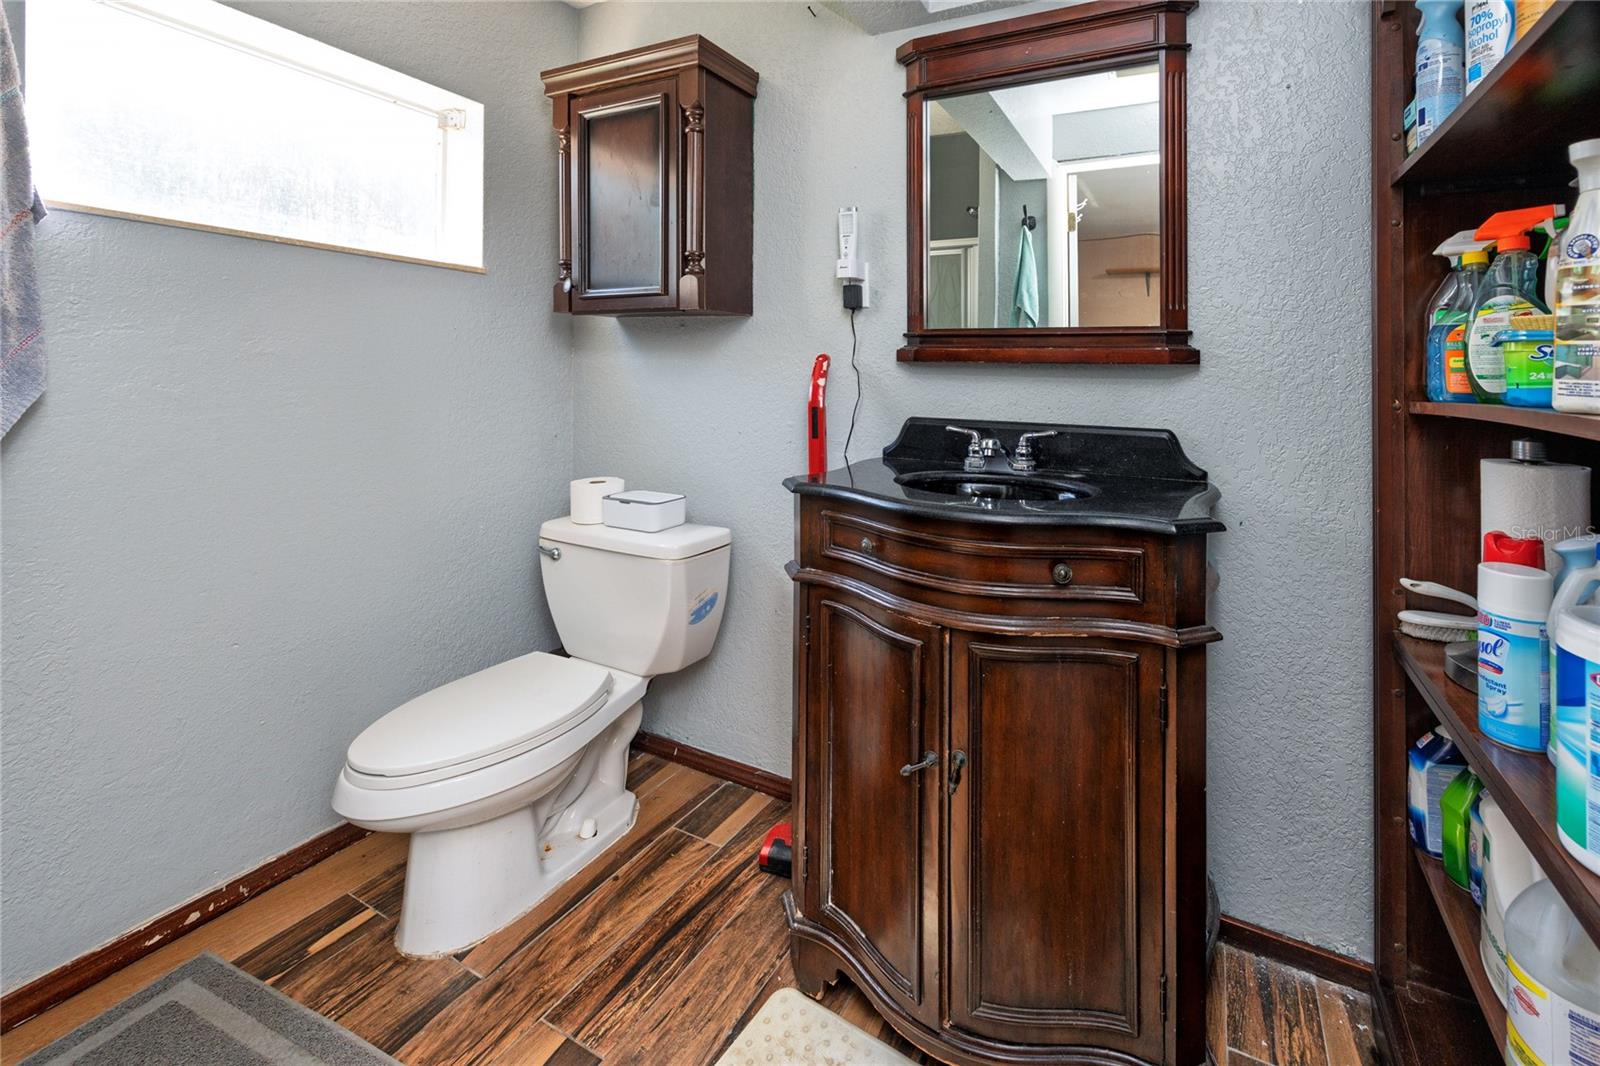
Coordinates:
(1025, 298)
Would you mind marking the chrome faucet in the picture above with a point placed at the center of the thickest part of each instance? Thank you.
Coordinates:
(982, 452)
(1025, 459)
(980, 449)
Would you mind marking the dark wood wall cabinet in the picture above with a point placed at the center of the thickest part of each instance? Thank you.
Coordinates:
(656, 181)
(1435, 998)
(1000, 782)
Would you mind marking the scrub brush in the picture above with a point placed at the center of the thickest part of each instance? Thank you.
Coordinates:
(1433, 625)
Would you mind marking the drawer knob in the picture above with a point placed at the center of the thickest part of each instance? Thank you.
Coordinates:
(866, 546)
(1061, 574)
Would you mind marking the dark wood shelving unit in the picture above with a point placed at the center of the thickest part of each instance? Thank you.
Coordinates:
(1461, 919)
(1583, 427)
(1541, 94)
(1432, 995)
(1523, 783)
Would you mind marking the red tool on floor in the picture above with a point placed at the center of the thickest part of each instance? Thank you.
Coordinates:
(777, 852)
(817, 418)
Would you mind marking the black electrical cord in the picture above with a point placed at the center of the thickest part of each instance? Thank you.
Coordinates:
(857, 408)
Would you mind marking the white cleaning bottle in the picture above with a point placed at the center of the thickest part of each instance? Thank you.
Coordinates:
(1553, 1010)
(1508, 869)
(1577, 347)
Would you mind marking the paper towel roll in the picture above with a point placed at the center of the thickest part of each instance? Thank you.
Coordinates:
(587, 492)
(1545, 500)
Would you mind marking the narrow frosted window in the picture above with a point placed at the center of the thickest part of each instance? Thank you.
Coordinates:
(186, 111)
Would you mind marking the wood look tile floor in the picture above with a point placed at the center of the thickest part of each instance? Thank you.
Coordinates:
(658, 953)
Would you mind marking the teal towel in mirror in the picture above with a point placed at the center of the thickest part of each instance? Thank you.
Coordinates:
(1025, 297)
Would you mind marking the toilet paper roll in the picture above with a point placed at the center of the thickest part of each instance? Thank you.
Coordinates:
(587, 492)
(1545, 500)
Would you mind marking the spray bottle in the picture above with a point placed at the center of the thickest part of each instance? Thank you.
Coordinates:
(1577, 305)
(1447, 309)
(1509, 291)
(1457, 383)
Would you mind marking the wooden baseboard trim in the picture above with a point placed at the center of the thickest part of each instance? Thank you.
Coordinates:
(751, 777)
(68, 979)
(1259, 940)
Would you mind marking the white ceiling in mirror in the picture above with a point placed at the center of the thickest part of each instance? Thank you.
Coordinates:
(1118, 201)
(1022, 127)
(888, 16)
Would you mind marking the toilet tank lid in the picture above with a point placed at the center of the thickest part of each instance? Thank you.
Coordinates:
(507, 709)
(679, 542)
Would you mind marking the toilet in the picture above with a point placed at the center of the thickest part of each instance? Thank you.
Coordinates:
(512, 779)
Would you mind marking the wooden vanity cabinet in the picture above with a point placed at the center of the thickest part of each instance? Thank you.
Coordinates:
(1000, 783)
(656, 181)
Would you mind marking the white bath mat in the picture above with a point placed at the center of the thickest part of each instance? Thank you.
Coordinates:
(792, 1030)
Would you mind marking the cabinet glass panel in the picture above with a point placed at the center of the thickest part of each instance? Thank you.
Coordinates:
(624, 198)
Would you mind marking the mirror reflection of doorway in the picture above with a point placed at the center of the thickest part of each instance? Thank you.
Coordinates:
(953, 284)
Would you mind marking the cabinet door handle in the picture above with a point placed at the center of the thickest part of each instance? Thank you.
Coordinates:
(1061, 574)
(929, 758)
(958, 759)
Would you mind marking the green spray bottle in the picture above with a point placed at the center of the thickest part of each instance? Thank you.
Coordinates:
(1509, 290)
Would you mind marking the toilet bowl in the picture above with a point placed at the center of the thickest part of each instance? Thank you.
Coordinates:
(512, 779)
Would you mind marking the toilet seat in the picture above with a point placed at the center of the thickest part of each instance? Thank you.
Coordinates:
(484, 718)
(396, 804)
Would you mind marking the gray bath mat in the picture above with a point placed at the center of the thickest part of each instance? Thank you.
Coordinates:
(207, 1013)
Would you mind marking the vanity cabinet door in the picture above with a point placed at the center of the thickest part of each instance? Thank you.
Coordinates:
(624, 215)
(874, 690)
(1055, 845)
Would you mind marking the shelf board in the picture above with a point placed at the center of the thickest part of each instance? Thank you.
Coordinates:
(1523, 783)
(1518, 121)
(1461, 919)
(1583, 427)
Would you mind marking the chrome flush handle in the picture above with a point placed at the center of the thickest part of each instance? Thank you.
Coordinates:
(554, 554)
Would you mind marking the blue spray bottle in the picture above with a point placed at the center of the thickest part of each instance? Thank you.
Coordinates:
(1441, 64)
(1448, 310)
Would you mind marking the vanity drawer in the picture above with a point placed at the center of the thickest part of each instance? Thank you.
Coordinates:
(1041, 565)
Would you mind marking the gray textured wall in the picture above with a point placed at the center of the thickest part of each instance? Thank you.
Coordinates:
(271, 493)
(1278, 411)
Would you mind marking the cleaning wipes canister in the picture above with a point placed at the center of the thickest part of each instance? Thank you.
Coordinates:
(1432, 764)
(1577, 754)
(1577, 579)
(1513, 658)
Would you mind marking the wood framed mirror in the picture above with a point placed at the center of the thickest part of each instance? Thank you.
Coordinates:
(1046, 188)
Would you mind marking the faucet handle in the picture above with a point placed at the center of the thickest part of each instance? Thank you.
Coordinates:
(1024, 459)
(975, 447)
(974, 434)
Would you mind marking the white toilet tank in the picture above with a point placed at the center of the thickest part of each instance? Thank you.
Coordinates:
(646, 603)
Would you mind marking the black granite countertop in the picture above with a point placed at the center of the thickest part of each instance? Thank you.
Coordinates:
(1120, 478)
